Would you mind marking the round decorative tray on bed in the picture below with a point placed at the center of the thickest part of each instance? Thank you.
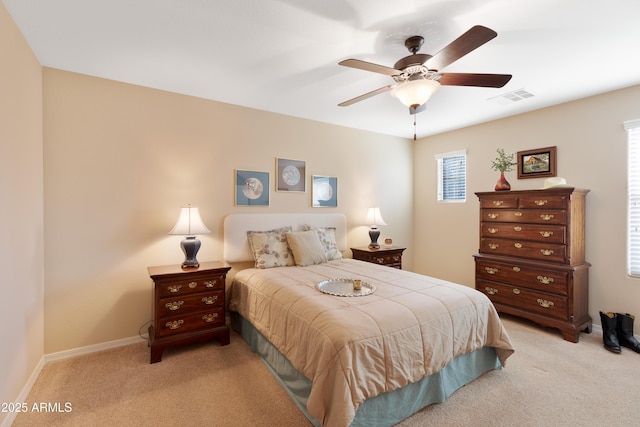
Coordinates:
(344, 288)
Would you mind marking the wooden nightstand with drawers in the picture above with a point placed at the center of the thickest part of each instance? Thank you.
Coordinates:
(188, 306)
(391, 257)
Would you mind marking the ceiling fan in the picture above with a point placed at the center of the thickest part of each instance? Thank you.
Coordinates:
(418, 75)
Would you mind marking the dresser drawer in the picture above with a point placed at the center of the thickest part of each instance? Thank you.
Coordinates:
(525, 249)
(390, 257)
(190, 322)
(536, 216)
(548, 305)
(543, 202)
(521, 275)
(183, 287)
(177, 305)
(542, 233)
(499, 202)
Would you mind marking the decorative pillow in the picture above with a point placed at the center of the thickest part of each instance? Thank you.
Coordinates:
(270, 248)
(327, 236)
(306, 248)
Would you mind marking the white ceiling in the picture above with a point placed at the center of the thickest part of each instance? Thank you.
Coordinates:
(282, 55)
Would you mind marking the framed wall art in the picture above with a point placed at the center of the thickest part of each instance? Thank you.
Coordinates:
(324, 191)
(290, 175)
(537, 163)
(252, 188)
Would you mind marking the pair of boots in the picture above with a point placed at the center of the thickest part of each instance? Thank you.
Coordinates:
(617, 330)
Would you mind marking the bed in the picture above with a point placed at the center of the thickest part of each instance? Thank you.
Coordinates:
(353, 360)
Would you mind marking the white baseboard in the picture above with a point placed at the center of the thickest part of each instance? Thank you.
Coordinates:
(60, 355)
(24, 393)
(66, 354)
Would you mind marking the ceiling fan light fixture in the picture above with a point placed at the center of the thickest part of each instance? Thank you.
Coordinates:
(414, 93)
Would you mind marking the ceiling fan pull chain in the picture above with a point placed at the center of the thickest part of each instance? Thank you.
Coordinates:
(414, 127)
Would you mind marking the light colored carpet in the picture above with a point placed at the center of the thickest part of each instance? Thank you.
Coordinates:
(547, 382)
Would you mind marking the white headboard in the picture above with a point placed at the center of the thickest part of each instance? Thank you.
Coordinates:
(236, 244)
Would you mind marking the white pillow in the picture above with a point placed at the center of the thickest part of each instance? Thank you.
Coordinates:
(327, 236)
(270, 248)
(306, 248)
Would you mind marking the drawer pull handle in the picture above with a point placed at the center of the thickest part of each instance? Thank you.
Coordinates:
(545, 303)
(492, 230)
(491, 291)
(210, 317)
(192, 285)
(498, 202)
(491, 270)
(518, 245)
(541, 202)
(546, 233)
(174, 305)
(493, 215)
(545, 280)
(174, 288)
(546, 252)
(516, 269)
(175, 324)
(493, 245)
(546, 217)
(516, 291)
(396, 258)
(210, 299)
(517, 228)
(210, 283)
(517, 213)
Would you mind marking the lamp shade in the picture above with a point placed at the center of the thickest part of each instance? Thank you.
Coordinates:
(374, 217)
(414, 93)
(189, 222)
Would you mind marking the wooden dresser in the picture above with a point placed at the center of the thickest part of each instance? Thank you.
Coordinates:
(391, 257)
(188, 306)
(531, 261)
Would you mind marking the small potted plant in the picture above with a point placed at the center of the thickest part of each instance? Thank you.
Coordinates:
(503, 163)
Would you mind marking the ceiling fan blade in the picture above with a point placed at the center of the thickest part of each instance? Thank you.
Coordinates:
(470, 79)
(368, 66)
(365, 96)
(469, 41)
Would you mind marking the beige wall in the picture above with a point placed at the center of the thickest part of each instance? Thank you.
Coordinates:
(591, 152)
(120, 160)
(21, 212)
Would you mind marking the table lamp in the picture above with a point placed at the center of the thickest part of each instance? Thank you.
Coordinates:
(189, 224)
(374, 218)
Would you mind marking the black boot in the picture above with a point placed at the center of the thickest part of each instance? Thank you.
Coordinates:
(610, 331)
(625, 332)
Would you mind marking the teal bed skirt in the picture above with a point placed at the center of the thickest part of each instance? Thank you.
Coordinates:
(385, 409)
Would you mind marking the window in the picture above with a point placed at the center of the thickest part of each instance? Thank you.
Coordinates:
(452, 176)
(633, 203)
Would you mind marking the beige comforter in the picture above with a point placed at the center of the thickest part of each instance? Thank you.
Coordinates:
(354, 348)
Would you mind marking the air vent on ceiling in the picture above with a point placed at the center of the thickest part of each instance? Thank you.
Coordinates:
(511, 97)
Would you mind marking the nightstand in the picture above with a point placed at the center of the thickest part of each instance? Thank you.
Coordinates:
(391, 257)
(188, 306)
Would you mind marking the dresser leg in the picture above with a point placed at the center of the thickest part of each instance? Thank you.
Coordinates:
(225, 338)
(156, 353)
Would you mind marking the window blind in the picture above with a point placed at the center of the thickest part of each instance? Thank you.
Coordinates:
(633, 186)
(454, 171)
(452, 176)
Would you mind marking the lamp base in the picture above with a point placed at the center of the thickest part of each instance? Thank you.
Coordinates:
(190, 246)
(374, 233)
